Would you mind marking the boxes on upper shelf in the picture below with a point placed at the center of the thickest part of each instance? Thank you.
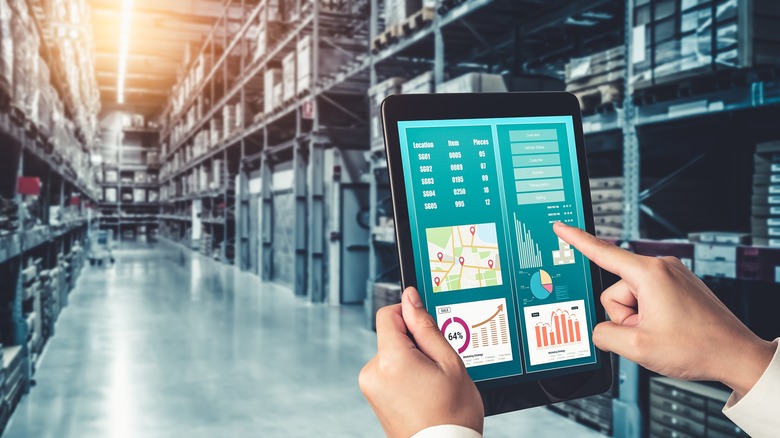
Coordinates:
(330, 62)
(765, 220)
(474, 83)
(139, 195)
(288, 76)
(597, 79)
(273, 77)
(672, 43)
(422, 84)
(109, 194)
(607, 197)
(232, 119)
(140, 178)
(715, 253)
(111, 176)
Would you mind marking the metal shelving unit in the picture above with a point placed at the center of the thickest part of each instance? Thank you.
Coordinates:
(132, 217)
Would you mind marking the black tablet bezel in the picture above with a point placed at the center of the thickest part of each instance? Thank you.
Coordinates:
(497, 397)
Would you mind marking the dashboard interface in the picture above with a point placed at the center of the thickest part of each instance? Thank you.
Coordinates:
(509, 296)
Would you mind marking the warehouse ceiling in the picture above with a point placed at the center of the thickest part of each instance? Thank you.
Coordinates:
(159, 33)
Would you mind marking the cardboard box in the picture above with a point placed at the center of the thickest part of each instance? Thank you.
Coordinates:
(273, 77)
(422, 84)
(715, 252)
(139, 195)
(474, 83)
(289, 76)
(715, 268)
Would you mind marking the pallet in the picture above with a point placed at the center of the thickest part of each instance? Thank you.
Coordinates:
(698, 81)
(584, 418)
(601, 98)
(419, 19)
(384, 39)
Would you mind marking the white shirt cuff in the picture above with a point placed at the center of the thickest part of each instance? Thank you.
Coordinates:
(756, 412)
(447, 431)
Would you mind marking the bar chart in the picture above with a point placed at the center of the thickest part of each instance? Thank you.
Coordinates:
(557, 332)
(529, 254)
(563, 328)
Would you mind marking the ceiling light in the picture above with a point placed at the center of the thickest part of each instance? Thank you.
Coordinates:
(124, 47)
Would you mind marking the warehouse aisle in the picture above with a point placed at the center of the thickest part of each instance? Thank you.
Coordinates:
(163, 346)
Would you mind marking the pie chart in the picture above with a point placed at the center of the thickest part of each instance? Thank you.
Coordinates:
(541, 284)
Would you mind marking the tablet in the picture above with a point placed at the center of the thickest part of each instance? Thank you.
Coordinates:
(477, 181)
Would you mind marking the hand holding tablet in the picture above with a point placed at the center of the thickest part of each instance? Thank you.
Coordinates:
(514, 304)
(477, 181)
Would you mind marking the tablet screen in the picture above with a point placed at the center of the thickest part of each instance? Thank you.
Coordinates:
(510, 297)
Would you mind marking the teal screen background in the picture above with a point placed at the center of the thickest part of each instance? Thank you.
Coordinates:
(511, 174)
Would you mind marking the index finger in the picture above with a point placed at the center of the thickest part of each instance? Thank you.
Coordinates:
(391, 329)
(616, 260)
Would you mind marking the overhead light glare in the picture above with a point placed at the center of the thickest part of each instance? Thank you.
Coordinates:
(124, 48)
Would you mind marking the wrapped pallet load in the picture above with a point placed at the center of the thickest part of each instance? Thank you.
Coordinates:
(675, 41)
(474, 83)
(273, 77)
(6, 49)
(24, 51)
(597, 79)
(331, 60)
(288, 76)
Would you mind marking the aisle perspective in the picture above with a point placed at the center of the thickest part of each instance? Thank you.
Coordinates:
(233, 151)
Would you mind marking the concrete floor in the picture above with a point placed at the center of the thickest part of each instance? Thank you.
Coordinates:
(170, 344)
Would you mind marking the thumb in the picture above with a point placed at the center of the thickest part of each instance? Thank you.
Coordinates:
(423, 328)
(616, 338)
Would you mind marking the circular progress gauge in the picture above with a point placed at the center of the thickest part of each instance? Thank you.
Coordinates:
(459, 339)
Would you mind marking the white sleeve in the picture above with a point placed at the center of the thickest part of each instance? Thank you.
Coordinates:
(447, 431)
(756, 412)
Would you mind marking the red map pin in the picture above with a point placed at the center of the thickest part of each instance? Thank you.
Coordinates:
(462, 260)
(440, 256)
(490, 263)
(436, 280)
(473, 230)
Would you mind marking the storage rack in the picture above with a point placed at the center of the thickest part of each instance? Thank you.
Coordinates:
(138, 219)
(294, 135)
(43, 236)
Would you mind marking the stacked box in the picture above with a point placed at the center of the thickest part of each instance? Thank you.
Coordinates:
(597, 79)
(109, 194)
(715, 253)
(673, 40)
(682, 409)
(231, 119)
(6, 48)
(474, 83)
(331, 60)
(376, 95)
(422, 84)
(288, 76)
(273, 77)
(269, 28)
(595, 411)
(766, 195)
(139, 195)
(396, 11)
(214, 134)
(607, 197)
(25, 52)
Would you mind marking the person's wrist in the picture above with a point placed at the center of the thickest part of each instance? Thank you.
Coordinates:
(747, 365)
